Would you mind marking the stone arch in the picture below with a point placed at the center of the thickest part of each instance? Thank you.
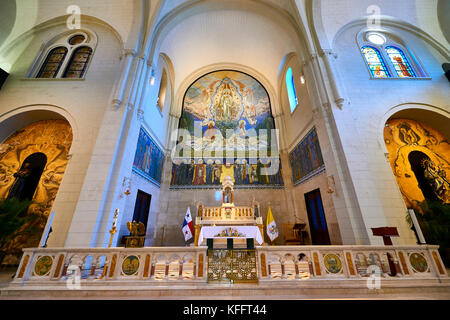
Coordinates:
(188, 8)
(25, 132)
(416, 111)
(412, 134)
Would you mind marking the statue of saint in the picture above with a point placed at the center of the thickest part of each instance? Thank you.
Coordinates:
(436, 177)
(227, 196)
(18, 186)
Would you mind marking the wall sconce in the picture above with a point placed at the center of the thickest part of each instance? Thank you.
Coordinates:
(152, 78)
(302, 79)
(331, 185)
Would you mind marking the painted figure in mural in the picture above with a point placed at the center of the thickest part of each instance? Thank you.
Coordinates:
(199, 174)
(227, 196)
(209, 172)
(190, 172)
(217, 172)
(313, 153)
(245, 172)
(237, 172)
(227, 170)
(18, 186)
(436, 177)
(254, 174)
(407, 135)
(181, 174)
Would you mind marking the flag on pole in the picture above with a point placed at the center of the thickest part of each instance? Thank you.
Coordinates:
(271, 229)
(188, 225)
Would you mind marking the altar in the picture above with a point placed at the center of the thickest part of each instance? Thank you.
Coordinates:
(228, 221)
(234, 232)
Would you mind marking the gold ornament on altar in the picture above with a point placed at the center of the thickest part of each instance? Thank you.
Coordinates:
(137, 235)
(136, 229)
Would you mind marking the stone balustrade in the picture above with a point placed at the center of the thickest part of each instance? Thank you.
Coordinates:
(97, 265)
(171, 265)
(349, 262)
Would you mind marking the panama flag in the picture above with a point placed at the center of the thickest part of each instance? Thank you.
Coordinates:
(272, 230)
(188, 225)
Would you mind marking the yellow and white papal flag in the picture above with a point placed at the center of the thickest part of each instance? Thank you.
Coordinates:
(271, 228)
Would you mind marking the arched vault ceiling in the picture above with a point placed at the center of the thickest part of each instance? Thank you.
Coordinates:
(244, 35)
(420, 13)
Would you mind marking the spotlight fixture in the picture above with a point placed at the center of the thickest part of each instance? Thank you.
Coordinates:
(152, 76)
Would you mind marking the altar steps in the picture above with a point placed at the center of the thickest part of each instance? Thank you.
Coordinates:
(302, 289)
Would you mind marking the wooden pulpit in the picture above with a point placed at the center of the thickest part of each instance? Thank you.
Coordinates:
(386, 233)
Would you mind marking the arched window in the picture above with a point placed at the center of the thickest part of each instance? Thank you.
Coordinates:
(400, 62)
(69, 57)
(375, 62)
(53, 63)
(290, 85)
(387, 56)
(78, 63)
(162, 90)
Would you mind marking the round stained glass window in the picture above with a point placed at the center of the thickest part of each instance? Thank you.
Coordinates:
(79, 38)
(376, 38)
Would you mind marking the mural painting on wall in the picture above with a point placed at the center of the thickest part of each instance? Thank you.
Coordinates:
(149, 158)
(306, 158)
(420, 159)
(32, 164)
(228, 117)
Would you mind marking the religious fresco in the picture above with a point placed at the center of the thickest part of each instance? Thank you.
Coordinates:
(243, 172)
(224, 113)
(306, 157)
(50, 139)
(149, 158)
(227, 100)
(420, 159)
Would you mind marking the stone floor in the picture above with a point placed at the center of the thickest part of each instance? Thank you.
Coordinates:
(224, 292)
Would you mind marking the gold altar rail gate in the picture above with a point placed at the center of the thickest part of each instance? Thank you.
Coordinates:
(232, 266)
(50, 267)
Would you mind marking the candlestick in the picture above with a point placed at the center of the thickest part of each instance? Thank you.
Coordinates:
(113, 229)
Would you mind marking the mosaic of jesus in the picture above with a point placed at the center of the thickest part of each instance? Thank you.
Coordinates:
(228, 100)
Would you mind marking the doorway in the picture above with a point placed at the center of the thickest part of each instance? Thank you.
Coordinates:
(142, 207)
(316, 217)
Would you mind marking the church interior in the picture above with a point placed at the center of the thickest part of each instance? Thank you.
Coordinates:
(151, 145)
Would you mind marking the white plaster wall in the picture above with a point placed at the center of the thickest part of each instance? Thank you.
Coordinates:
(360, 125)
(420, 13)
(227, 36)
(84, 101)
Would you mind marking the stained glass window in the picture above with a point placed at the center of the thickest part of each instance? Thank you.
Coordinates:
(53, 63)
(293, 101)
(375, 62)
(400, 62)
(78, 63)
(76, 39)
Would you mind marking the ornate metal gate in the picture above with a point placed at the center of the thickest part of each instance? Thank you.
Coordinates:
(232, 266)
